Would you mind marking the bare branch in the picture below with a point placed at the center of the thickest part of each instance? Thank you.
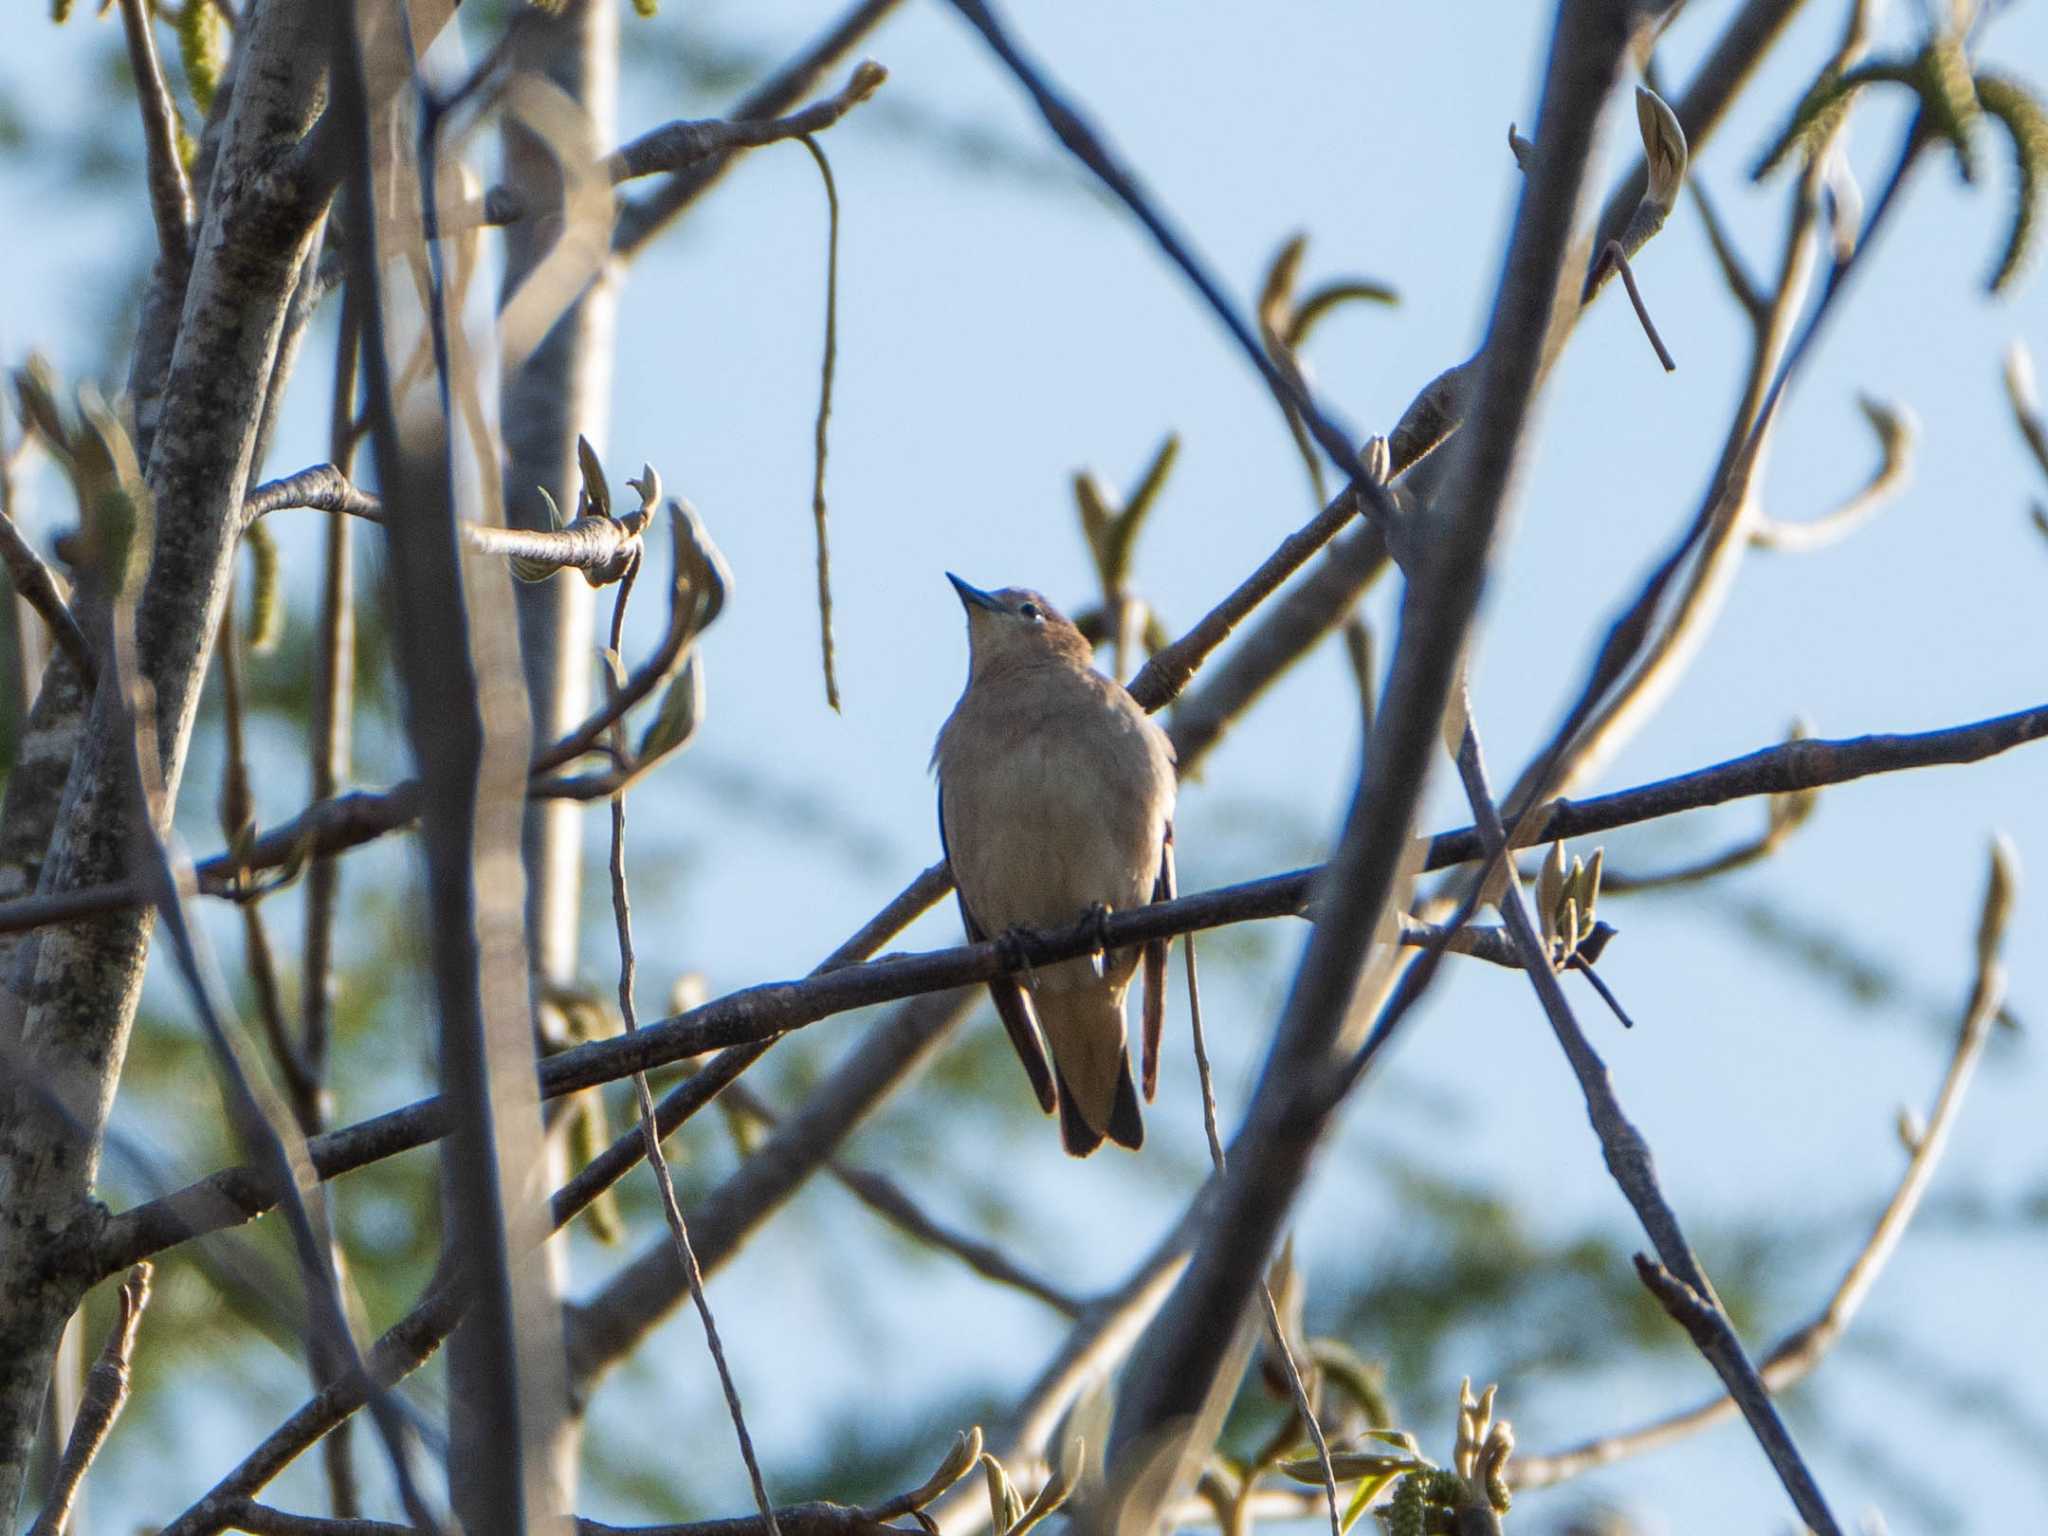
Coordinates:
(599, 546)
(1689, 1295)
(106, 1392)
(1183, 1376)
(682, 145)
(640, 221)
(1801, 1350)
(622, 913)
(888, 1199)
(170, 194)
(38, 586)
(1074, 131)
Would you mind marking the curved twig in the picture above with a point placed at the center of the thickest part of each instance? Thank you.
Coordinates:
(1897, 432)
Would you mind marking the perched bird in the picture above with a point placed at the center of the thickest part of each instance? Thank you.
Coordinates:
(1055, 802)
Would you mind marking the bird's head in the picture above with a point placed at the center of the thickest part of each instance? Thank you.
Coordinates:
(1017, 627)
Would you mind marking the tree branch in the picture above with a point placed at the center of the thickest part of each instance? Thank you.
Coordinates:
(1801, 1350)
(758, 1013)
(170, 195)
(106, 1393)
(600, 546)
(640, 221)
(38, 587)
(1679, 1281)
(1184, 1374)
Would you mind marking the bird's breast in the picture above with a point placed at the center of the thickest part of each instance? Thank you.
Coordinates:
(1048, 813)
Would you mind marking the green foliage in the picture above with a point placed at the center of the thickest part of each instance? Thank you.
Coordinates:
(202, 49)
(266, 590)
(2020, 112)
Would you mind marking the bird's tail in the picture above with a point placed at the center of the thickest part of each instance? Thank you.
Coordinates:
(1084, 1025)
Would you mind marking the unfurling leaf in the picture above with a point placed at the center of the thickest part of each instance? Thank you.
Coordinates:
(596, 497)
(1664, 149)
(1005, 1504)
(960, 1460)
(266, 590)
(1349, 1466)
(1999, 896)
(113, 501)
(2025, 120)
(1550, 886)
(675, 722)
(35, 391)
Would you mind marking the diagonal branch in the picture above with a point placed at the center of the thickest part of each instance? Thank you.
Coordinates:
(1183, 1372)
(37, 584)
(1074, 131)
(1628, 1159)
(170, 194)
(106, 1392)
(1801, 1350)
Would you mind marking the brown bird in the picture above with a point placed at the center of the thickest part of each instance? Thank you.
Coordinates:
(1056, 801)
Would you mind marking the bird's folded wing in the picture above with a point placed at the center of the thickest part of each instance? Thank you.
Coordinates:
(1155, 975)
(1012, 1006)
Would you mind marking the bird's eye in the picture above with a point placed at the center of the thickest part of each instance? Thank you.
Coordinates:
(1028, 610)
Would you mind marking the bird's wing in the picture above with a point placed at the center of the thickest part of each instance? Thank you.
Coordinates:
(1012, 1007)
(1155, 973)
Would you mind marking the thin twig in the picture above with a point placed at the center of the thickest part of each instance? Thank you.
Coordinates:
(1074, 131)
(37, 585)
(237, 818)
(1628, 1159)
(681, 145)
(106, 1392)
(1613, 255)
(1202, 1072)
(641, 220)
(1726, 256)
(600, 547)
(622, 916)
(1304, 1406)
(170, 194)
(329, 750)
(888, 1199)
(1896, 433)
(1801, 1350)
(826, 369)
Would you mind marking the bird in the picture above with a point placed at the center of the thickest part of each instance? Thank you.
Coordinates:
(1056, 799)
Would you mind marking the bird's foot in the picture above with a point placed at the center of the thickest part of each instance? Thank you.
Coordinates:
(1096, 923)
(1010, 946)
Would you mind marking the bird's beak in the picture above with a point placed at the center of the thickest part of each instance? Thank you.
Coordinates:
(974, 597)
